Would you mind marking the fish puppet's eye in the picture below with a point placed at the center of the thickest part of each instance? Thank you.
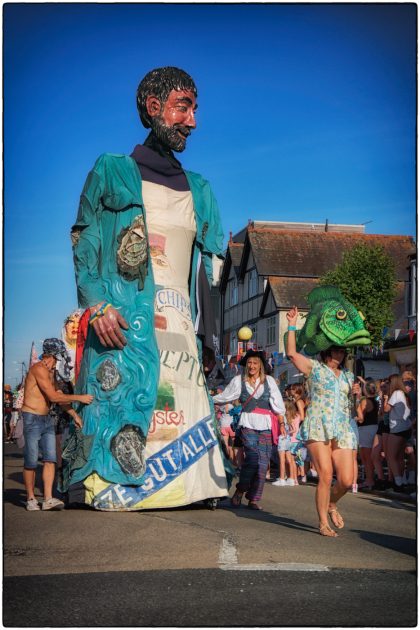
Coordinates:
(341, 314)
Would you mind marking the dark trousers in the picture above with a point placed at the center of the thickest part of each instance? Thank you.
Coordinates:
(257, 453)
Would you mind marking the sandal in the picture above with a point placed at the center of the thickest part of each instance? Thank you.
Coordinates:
(325, 530)
(254, 506)
(336, 518)
(236, 499)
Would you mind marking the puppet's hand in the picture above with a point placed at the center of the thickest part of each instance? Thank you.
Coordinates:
(108, 328)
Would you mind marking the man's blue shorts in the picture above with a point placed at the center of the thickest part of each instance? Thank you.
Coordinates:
(38, 431)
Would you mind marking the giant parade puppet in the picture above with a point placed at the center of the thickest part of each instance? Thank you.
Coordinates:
(144, 243)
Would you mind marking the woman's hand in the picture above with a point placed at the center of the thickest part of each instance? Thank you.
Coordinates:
(282, 429)
(356, 390)
(292, 316)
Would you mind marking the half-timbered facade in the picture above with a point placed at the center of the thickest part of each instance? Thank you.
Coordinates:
(270, 267)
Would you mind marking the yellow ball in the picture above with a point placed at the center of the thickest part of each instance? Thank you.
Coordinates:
(244, 333)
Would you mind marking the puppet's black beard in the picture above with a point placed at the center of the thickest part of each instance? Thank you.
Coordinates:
(169, 136)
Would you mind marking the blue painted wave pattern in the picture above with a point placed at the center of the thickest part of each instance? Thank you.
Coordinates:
(133, 400)
(162, 467)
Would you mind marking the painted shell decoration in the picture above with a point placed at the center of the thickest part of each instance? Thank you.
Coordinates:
(128, 449)
(108, 376)
(132, 250)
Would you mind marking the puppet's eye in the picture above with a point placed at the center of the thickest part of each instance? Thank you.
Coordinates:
(341, 314)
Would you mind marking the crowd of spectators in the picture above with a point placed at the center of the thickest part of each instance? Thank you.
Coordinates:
(384, 420)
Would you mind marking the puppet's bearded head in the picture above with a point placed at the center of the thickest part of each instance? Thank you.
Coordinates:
(166, 104)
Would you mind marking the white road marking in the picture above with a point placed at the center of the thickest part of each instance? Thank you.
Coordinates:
(227, 554)
(275, 566)
(228, 561)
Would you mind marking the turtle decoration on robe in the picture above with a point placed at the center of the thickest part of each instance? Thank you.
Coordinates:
(331, 321)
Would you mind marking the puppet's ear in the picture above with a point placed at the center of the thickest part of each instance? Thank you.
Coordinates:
(153, 106)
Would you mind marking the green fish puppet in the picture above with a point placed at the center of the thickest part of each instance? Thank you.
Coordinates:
(332, 321)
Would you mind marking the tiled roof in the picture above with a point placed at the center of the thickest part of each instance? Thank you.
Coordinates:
(236, 253)
(311, 254)
(399, 307)
(288, 292)
(233, 257)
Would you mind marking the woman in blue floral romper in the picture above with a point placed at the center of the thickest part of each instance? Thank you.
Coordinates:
(326, 429)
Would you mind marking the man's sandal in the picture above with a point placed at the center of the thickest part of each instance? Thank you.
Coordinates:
(336, 518)
(236, 499)
(325, 530)
(254, 506)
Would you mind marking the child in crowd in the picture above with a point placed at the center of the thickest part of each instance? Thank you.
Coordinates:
(284, 445)
(224, 419)
(297, 393)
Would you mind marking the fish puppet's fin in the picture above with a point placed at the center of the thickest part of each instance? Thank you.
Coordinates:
(322, 293)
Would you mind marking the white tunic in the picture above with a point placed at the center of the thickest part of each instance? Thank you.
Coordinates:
(256, 421)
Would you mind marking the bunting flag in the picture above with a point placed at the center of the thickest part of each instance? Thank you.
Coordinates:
(411, 334)
(384, 332)
(397, 333)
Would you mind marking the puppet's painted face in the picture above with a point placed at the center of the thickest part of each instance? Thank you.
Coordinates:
(176, 119)
(72, 326)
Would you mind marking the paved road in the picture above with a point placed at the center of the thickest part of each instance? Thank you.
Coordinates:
(198, 567)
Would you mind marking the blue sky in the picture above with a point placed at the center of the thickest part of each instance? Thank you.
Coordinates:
(306, 112)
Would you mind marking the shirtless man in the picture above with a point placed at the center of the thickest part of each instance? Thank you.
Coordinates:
(38, 426)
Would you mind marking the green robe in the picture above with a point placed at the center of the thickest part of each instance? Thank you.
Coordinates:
(112, 264)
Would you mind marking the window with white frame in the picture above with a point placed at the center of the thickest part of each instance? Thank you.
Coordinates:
(233, 292)
(271, 330)
(252, 283)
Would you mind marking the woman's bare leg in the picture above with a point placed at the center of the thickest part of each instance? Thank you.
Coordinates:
(321, 458)
(292, 465)
(377, 448)
(343, 464)
(282, 464)
(366, 457)
(395, 447)
(385, 437)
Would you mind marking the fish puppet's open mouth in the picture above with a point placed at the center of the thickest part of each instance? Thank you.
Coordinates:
(359, 338)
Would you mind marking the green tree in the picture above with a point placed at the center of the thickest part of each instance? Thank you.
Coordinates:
(366, 277)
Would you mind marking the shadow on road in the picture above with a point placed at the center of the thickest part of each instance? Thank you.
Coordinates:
(17, 496)
(268, 517)
(396, 543)
(399, 504)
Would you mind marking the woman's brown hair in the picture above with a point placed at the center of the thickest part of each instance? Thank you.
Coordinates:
(324, 354)
(291, 409)
(370, 389)
(297, 390)
(395, 384)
